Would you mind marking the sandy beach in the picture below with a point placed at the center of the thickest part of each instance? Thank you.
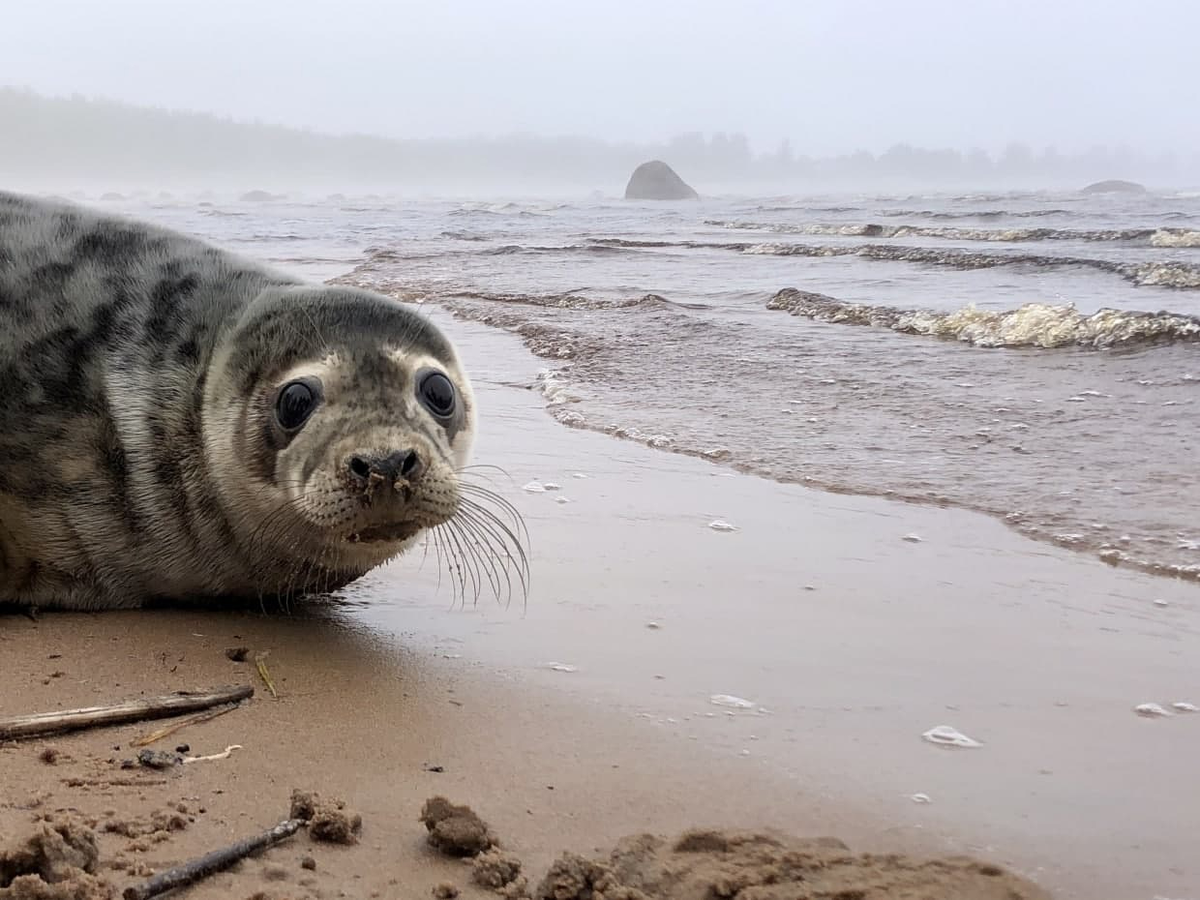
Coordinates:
(849, 626)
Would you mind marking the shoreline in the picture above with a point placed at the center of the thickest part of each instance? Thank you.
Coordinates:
(559, 411)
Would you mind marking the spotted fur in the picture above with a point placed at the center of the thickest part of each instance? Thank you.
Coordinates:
(139, 456)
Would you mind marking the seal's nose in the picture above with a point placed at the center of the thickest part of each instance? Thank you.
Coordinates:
(399, 464)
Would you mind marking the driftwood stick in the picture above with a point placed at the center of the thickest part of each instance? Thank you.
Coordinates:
(167, 730)
(260, 662)
(210, 863)
(40, 724)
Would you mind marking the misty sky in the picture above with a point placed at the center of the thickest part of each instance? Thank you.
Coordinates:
(831, 76)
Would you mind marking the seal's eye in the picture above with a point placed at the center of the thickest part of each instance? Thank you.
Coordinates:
(437, 393)
(295, 404)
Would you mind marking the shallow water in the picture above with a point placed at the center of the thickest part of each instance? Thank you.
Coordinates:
(955, 354)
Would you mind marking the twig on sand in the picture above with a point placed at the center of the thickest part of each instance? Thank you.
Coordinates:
(40, 724)
(224, 754)
(260, 662)
(210, 863)
(147, 739)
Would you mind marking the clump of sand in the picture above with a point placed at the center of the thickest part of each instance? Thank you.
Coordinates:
(501, 872)
(57, 862)
(328, 820)
(160, 825)
(760, 866)
(455, 830)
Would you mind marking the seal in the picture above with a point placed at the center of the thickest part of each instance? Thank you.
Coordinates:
(183, 424)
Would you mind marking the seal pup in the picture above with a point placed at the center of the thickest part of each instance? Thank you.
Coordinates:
(179, 423)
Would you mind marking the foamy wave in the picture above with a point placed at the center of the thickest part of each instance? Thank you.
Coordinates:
(1162, 238)
(1167, 274)
(1033, 325)
(1175, 237)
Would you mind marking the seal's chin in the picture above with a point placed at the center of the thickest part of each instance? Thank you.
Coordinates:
(389, 533)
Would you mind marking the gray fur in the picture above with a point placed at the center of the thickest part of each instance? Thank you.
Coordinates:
(137, 460)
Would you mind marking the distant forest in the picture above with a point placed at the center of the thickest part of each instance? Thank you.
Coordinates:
(83, 143)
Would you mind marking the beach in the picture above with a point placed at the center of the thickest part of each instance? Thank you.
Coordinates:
(775, 671)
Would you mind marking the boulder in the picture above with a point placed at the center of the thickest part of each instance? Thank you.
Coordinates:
(1115, 186)
(655, 180)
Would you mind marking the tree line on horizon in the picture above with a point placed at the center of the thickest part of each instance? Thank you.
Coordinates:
(80, 140)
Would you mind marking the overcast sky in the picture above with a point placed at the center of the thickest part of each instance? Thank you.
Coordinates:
(832, 75)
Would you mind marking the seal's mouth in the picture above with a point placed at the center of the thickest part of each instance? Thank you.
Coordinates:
(394, 531)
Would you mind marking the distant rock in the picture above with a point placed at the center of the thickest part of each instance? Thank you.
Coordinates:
(260, 197)
(1115, 186)
(655, 180)
(112, 196)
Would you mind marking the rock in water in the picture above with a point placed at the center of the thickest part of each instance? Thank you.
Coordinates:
(1115, 186)
(655, 180)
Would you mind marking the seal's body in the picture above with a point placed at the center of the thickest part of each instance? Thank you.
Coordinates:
(180, 423)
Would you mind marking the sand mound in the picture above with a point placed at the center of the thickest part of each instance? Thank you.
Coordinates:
(58, 862)
(756, 866)
(328, 820)
(704, 864)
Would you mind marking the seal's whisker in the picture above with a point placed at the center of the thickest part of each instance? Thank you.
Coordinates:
(502, 540)
(500, 529)
(490, 496)
(316, 330)
(495, 533)
(424, 550)
(505, 558)
(464, 564)
(453, 566)
(437, 548)
(474, 470)
(484, 562)
(486, 556)
(266, 528)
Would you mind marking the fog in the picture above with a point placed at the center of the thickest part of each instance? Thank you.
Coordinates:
(1110, 87)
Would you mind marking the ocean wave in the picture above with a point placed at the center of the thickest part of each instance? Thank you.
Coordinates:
(512, 249)
(506, 209)
(974, 214)
(1177, 275)
(634, 244)
(1180, 276)
(1034, 325)
(567, 300)
(795, 208)
(1160, 237)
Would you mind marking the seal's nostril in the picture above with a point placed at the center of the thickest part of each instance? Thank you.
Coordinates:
(410, 464)
(360, 466)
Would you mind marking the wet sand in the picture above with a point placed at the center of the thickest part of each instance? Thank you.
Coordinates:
(1039, 654)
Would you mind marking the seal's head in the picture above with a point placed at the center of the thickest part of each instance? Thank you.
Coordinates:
(340, 421)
